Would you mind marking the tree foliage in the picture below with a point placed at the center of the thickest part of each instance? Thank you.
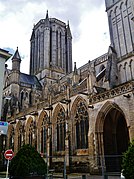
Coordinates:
(128, 162)
(26, 162)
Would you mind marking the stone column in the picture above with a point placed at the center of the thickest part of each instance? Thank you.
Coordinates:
(41, 51)
(54, 47)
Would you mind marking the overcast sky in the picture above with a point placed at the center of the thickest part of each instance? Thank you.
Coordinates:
(87, 18)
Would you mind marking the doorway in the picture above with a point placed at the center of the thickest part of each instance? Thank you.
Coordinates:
(115, 138)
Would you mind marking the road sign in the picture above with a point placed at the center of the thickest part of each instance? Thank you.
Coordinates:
(3, 127)
(9, 154)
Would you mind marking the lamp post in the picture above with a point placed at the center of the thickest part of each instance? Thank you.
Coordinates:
(66, 159)
(49, 142)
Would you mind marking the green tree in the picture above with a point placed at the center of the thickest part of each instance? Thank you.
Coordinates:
(27, 161)
(128, 162)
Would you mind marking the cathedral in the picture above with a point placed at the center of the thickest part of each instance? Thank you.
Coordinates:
(82, 116)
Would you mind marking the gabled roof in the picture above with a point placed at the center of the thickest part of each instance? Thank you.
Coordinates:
(30, 80)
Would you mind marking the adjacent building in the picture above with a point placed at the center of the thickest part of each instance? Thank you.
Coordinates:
(4, 56)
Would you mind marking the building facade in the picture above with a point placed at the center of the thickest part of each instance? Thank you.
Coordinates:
(83, 117)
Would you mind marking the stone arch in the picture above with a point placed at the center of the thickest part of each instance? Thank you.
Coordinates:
(102, 113)
(110, 126)
(29, 126)
(73, 120)
(59, 29)
(121, 4)
(54, 124)
(115, 9)
(76, 101)
(40, 119)
(56, 110)
(42, 130)
(18, 133)
(126, 2)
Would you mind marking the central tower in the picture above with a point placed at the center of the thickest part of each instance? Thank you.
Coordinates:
(51, 49)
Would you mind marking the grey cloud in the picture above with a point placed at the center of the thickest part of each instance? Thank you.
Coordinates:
(62, 9)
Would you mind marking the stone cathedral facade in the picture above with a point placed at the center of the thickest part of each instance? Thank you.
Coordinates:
(79, 116)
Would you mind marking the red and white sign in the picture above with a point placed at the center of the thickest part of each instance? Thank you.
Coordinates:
(9, 154)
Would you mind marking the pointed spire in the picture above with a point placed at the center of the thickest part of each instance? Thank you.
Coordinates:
(16, 60)
(68, 30)
(33, 35)
(16, 55)
(75, 69)
(47, 15)
(47, 23)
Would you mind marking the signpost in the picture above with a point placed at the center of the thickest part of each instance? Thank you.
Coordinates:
(9, 154)
(3, 127)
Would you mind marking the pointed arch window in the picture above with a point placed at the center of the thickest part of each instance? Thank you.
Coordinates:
(30, 136)
(21, 98)
(56, 47)
(61, 130)
(19, 138)
(30, 98)
(44, 135)
(60, 51)
(82, 126)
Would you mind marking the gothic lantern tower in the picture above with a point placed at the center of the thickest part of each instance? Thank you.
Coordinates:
(51, 49)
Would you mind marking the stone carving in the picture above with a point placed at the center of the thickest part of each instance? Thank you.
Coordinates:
(112, 69)
(91, 81)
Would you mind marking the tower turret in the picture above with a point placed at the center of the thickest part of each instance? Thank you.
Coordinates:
(15, 73)
(16, 60)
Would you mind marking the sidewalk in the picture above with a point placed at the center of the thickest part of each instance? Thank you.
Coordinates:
(82, 176)
(93, 177)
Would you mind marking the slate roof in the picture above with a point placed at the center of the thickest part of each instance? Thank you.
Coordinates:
(30, 80)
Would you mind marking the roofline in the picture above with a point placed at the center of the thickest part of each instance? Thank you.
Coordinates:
(5, 54)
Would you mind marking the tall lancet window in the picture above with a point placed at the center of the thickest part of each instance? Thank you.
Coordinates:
(21, 98)
(20, 136)
(56, 47)
(38, 51)
(43, 135)
(82, 126)
(60, 50)
(61, 130)
(30, 135)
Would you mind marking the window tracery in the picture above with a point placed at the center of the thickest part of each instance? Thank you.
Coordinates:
(82, 126)
(61, 130)
(43, 134)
